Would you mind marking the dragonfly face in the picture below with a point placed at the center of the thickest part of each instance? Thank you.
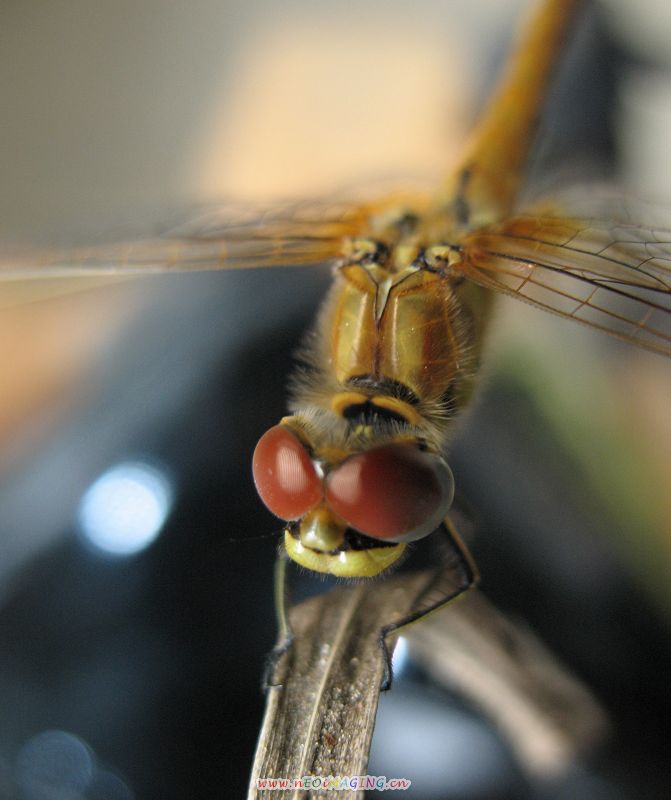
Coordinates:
(350, 513)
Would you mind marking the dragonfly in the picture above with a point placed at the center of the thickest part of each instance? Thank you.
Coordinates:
(356, 470)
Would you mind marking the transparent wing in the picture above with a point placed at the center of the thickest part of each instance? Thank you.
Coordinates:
(610, 272)
(221, 237)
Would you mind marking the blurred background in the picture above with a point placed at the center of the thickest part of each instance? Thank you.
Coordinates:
(135, 594)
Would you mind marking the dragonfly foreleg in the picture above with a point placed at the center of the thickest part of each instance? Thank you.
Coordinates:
(442, 590)
(286, 635)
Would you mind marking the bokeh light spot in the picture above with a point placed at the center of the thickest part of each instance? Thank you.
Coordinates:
(124, 510)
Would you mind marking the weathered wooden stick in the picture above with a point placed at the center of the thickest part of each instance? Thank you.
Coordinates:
(319, 721)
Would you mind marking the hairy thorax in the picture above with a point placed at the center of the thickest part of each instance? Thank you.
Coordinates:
(399, 332)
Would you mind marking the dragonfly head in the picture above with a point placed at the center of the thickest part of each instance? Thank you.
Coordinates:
(350, 513)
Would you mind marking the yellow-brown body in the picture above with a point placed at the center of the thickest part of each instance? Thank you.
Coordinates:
(410, 335)
(394, 358)
(399, 336)
(397, 345)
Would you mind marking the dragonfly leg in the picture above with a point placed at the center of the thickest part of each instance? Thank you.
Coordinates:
(286, 635)
(459, 560)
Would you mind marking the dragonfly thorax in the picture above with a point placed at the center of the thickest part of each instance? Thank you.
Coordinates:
(396, 335)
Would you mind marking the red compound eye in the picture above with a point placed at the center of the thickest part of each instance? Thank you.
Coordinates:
(395, 492)
(285, 477)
